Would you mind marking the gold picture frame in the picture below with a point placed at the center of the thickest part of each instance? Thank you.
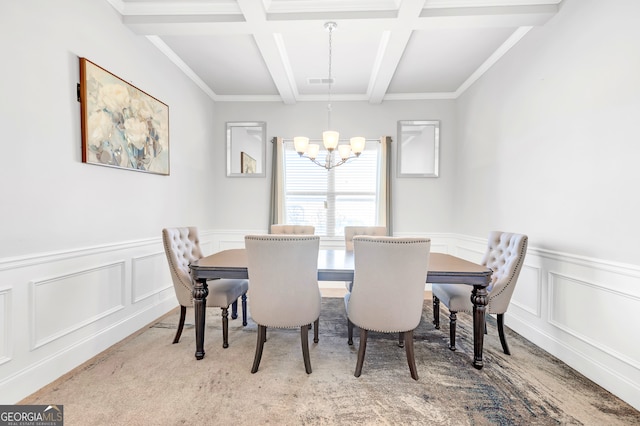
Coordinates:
(122, 126)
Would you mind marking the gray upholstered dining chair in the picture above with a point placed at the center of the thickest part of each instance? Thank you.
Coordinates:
(182, 246)
(505, 257)
(293, 229)
(283, 271)
(388, 290)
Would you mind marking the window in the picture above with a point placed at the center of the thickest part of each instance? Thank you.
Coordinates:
(349, 194)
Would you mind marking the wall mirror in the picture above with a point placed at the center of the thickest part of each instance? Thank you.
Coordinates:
(246, 144)
(418, 148)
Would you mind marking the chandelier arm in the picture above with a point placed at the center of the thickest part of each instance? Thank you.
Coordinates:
(328, 165)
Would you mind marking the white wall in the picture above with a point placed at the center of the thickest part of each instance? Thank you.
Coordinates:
(548, 145)
(544, 143)
(81, 263)
(419, 204)
(51, 200)
(548, 139)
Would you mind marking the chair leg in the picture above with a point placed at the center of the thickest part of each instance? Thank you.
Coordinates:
(225, 327)
(304, 339)
(401, 340)
(244, 309)
(234, 309)
(361, 350)
(503, 340)
(262, 332)
(452, 330)
(436, 312)
(411, 359)
(183, 314)
(316, 337)
(349, 332)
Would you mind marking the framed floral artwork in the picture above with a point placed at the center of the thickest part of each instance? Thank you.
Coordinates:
(247, 163)
(122, 126)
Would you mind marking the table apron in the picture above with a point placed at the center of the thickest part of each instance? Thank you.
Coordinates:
(325, 275)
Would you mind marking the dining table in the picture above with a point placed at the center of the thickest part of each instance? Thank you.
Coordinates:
(338, 265)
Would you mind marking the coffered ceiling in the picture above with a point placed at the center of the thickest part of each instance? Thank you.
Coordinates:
(274, 50)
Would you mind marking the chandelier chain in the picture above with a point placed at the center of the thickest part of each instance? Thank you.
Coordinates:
(330, 138)
(330, 26)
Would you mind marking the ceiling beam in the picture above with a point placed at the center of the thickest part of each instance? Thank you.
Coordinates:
(150, 21)
(271, 48)
(267, 22)
(391, 48)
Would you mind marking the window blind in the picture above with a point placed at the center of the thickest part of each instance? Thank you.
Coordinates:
(346, 195)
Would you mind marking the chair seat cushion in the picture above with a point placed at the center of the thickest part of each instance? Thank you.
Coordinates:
(456, 296)
(224, 292)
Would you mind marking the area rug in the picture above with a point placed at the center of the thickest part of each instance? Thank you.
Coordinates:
(146, 380)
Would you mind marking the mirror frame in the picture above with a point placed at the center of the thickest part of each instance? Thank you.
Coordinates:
(426, 146)
(235, 151)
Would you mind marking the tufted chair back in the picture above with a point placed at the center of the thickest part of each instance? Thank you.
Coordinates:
(352, 231)
(505, 256)
(182, 246)
(293, 229)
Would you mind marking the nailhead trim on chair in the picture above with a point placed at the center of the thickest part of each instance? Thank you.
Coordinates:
(390, 240)
(511, 247)
(182, 259)
(281, 237)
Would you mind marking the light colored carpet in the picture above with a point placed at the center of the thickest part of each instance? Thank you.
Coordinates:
(146, 380)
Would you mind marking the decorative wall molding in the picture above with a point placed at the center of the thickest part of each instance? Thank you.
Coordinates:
(10, 263)
(60, 309)
(7, 326)
(60, 305)
(146, 272)
(596, 291)
(605, 327)
(523, 297)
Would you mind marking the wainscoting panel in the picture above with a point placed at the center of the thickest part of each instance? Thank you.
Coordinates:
(150, 276)
(64, 304)
(474, 254)
(528, 292)
(6, 327)
(58, 310)
(585, 312)
(439, 248)
(572, 300)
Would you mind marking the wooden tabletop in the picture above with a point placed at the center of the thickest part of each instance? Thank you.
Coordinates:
(337, 265)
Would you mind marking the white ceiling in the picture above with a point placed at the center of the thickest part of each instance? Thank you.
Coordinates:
(266, 50)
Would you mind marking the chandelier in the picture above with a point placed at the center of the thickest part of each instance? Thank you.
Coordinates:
(330, 138)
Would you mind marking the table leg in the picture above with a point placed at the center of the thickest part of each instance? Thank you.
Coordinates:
(200, 293)
(479, 300)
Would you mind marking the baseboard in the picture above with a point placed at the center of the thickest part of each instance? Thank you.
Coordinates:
(595, 368)
(27, 381)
